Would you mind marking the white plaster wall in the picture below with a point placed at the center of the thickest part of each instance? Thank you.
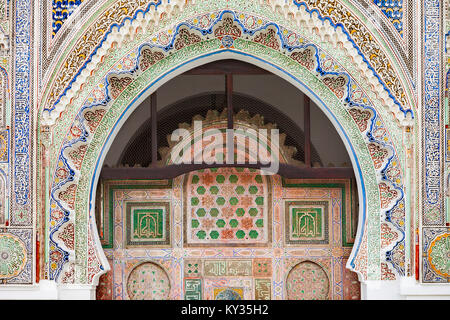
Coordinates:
(268, 88)
(402, 289)
(405, 288)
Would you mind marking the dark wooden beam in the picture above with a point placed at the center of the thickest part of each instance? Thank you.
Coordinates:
(154, 128)
(227, 67)
(173, 171)
(230, 116)
(307, 129)
(229, 94)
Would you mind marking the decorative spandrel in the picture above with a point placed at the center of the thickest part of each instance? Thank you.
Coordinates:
(311, 214)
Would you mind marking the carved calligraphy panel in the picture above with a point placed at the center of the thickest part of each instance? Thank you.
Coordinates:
(193, 289)
(148, 223)
(307, 222)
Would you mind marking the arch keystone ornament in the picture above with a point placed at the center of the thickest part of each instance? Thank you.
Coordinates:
(149, 51)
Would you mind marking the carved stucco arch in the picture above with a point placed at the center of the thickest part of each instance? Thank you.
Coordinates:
(79, 143)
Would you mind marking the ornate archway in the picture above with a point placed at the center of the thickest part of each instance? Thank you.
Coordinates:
(106, 92)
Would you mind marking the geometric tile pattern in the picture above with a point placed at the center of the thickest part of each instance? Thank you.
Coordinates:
(262, 267)
(226, 207)
(193, 268)
(334, 82)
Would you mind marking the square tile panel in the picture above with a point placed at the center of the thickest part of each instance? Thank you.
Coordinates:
(147, 224)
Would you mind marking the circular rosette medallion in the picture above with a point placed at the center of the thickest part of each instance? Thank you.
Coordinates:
(148, 281)
(307, 281)
(13, 256)
(439, 255)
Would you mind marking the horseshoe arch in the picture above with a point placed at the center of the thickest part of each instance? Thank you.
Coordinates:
(101, 99)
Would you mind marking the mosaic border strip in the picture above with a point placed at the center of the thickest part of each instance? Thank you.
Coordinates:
(4, 143)
(433, 153)
(20, 141)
